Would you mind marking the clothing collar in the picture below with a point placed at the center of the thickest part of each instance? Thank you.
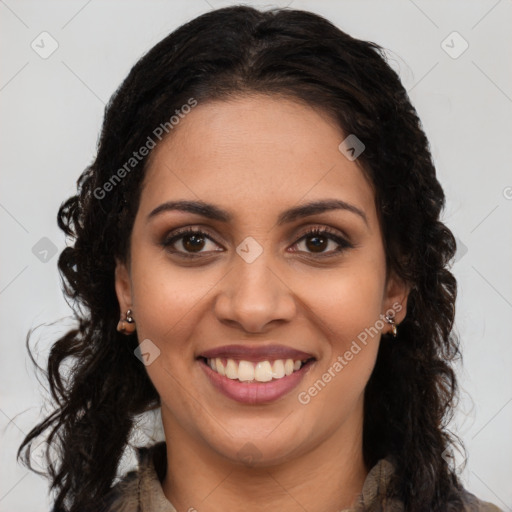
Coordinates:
(152, 462)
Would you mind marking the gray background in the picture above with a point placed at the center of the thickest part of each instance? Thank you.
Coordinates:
(52, 108)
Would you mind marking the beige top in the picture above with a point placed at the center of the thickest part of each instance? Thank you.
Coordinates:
(141, 490)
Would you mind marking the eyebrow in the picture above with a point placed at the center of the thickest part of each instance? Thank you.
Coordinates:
(213, 212)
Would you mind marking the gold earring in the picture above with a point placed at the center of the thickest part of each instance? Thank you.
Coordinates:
(127, 325)
(391, 320)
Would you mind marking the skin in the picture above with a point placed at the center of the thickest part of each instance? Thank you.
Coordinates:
(256, 156)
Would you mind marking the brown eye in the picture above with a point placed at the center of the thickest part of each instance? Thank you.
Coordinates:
(316, 241)
(189, 242)
(193, 242)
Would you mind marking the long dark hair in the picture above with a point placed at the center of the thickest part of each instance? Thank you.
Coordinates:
(99, 387)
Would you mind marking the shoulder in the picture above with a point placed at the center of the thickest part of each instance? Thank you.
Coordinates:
(140, 489)
(123, 497)
(375, 493)
(473, 504)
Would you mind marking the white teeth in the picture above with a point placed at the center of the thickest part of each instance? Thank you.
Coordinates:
(231, 369)
(288, 367)
(278, 369)
(263, 372)
(220, 366)
(247, 371)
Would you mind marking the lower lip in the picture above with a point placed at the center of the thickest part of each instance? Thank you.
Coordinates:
(255, 392)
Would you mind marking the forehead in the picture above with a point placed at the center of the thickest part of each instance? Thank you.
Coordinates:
(254, 152)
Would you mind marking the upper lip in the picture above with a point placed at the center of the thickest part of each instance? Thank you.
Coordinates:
(256, 353)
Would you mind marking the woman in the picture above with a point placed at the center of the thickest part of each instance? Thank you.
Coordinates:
(258, 253)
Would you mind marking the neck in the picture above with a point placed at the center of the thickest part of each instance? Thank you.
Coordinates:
(328, 478)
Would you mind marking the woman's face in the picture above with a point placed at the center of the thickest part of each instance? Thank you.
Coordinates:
(250, 291)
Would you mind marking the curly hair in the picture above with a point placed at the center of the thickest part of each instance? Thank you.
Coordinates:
(97, 384)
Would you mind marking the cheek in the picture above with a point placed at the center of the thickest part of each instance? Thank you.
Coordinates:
(165, 300)
(347, 313)
(165, 296)
(347, 302)
(346, 307)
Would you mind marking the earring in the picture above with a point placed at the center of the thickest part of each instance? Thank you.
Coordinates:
(391, 320)
(127, 325)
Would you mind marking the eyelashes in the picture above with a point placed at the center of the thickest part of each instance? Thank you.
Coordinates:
(190, 234)
(194, 238)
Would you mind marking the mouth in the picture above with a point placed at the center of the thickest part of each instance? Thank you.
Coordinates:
(255, 371)
(255, 375)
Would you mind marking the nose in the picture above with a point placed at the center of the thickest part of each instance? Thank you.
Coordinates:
(253, 296)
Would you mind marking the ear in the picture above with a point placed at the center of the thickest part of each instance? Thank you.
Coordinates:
(123, 286)
(395, 297)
